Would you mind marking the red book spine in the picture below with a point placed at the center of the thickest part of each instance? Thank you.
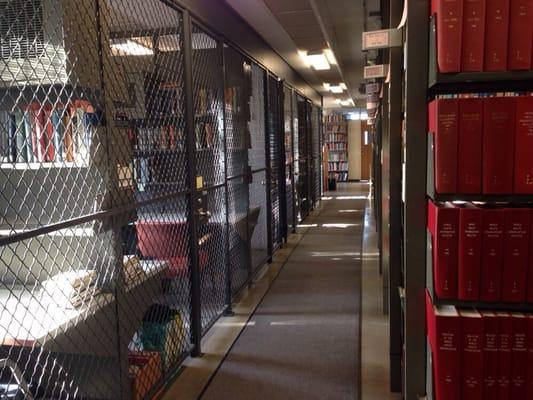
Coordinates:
(492, 254)
(472, 355)
(470, 236)
(529, 288)
(470, 145)
(505, 333)
(40, 134)
(490, 356)
(447, 359)
(529, 382)
(445, 248)
(473, 35)
(516, 254)
(49, 139)
(496, 35)
(520, 34)
(523, 177)
(449, 34)
(444, 117)
(519, 357)
(498, 144)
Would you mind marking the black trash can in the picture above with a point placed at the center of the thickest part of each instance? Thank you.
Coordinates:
(332, 184)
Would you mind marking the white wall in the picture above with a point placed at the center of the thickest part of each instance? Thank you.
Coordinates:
(354, 149)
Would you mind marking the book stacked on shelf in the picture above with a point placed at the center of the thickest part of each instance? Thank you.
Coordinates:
(481, 252)
(338, 166)
(337, 138)
(483, 143)
(483, 35)
(48, 133)
(479, 354)
(146, 139)
(337, 157)
(337, 146)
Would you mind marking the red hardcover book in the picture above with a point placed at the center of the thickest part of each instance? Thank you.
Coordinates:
(519, 357)
(49, 138)
(443, 123)
(529, 289)
(473, 35)
(492, 254)
(472, 354)
(496, 35)
(449, 21)
(490, 355)
(470, 145)
(529, 382)
(516, 254)
(444, 337)
(523, 163)
(443, 224)
(498, 144)
(470, 240)
(520, 34)
(505, 333)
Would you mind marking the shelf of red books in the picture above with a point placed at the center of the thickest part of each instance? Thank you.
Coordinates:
(464, 82)
(478, 197)
(481, 305)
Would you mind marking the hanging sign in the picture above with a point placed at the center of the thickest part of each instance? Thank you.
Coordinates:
(376, 71)
(372, 88)
(383, 39)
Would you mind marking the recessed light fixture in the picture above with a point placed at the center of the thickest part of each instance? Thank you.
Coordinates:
(330, 56)
(318, 60)
(326, 86)
(130, 47)
(336, 89)
(341, 87)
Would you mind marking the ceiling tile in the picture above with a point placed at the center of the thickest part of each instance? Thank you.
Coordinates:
(277, 6)
(297, 18)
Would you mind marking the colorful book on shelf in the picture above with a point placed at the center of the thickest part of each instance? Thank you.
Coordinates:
(498, 144)
(516, 254)
(492, 254)
(472, 336)
(28, 123)
(470, 242)
(490, 355)
(523, 163)
(449, 25)
(520, 34)
(529, 379)
(443, 124)
(20, 138)
(473, 35)
(470, 145)
(496, 35)
(443, 225)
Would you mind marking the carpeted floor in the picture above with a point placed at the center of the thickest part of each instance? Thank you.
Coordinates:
(303, 341)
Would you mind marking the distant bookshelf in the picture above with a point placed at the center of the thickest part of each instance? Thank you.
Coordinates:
(336, 139)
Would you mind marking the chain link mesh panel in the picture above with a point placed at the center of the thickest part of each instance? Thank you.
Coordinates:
(303, 159)
(289, 156)
(316, 159)
(276, 167)
(256, 153)
(212, 255)
(258, 220)
(239, 255)
(208, 107)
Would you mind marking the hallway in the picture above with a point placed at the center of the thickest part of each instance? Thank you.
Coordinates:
(303, 341)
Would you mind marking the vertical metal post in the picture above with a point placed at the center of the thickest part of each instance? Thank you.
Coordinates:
(268, 169)
(281, 173)
(416, 52)
(309, 142)
(196, 312)
(293, 184)
(395, 203)
(228, 311)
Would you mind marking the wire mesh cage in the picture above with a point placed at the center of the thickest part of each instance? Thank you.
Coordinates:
(316, 154)
(118, 217)
(302, 187)
(289, 157)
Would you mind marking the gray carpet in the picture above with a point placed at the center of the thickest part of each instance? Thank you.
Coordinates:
(303, 341)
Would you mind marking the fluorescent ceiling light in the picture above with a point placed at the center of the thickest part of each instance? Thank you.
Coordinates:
(342, 85)
(336, 89)
(130, 48)
(318, 61)
(326, 86)
(330, 56)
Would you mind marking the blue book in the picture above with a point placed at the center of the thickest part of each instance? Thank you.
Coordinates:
(20, 137)
(28, 133)
(4, 136)
(12, 139)
(59, 132)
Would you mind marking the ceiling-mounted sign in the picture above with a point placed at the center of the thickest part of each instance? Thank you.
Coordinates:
(376, 71)
(372, 88)
(372, 106)
(372, 97)
(382, 39)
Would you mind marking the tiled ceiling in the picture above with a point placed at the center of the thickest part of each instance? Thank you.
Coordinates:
(313, 25)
